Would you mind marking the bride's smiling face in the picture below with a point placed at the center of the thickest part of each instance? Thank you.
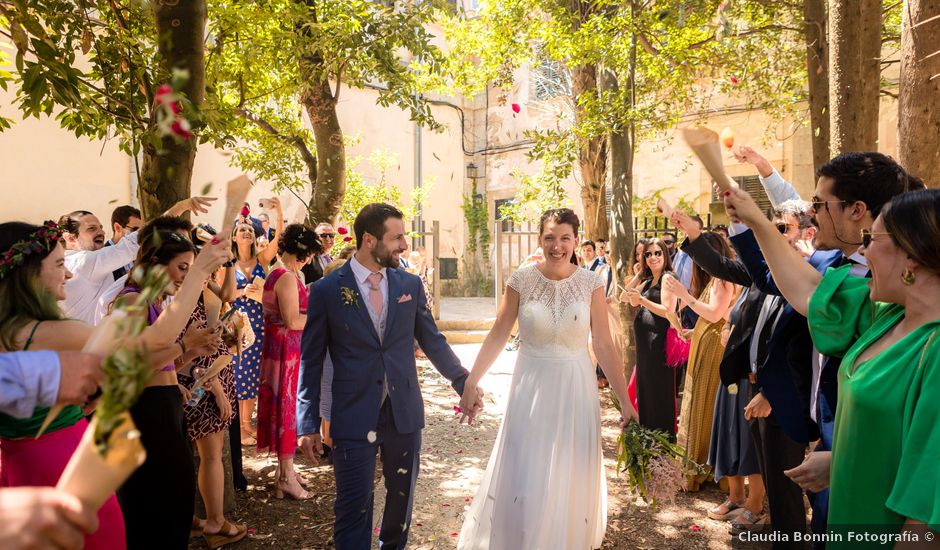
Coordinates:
(558, 241)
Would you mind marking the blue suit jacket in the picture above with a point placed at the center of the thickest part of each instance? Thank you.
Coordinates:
(786, 377)
(361, 362)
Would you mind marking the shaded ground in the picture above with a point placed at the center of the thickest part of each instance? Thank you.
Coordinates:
(452, 463)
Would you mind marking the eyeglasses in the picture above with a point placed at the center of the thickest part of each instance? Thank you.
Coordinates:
(669, 242)
(327, 235)
(867, 235)
(819, 203)
(783, 227)
(656, 253)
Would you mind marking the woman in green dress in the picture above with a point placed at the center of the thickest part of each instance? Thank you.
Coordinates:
(884, 468)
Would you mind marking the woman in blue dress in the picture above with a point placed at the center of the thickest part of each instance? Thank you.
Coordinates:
(252, 267)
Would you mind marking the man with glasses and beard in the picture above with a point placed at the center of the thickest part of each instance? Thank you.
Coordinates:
(851, 190)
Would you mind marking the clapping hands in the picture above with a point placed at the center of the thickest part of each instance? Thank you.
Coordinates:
(471, 403)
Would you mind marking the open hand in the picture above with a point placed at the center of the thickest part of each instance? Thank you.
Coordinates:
(311, 446)
(804, 247)
(196, 205)
(686, 224)
(813, 473)
(676, 287)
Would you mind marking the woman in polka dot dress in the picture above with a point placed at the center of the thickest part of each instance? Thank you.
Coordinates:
(251, 265)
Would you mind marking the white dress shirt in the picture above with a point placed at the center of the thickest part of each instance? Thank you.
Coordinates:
(92, 275)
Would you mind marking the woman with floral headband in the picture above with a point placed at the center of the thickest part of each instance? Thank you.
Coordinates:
(32, 282)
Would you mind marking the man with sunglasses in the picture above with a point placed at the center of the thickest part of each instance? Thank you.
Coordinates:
(124, 220)
(851, 190)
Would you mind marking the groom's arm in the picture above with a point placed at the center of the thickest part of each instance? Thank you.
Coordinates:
(435, 346)
(313, 351)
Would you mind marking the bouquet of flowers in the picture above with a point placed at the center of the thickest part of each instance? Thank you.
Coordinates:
(654, 464)
(111, 449)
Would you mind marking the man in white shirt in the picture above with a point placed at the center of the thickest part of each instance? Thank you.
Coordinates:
(92, 264)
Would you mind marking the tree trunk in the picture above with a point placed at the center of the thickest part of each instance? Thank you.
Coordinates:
(330, 186)
(620, 154)
(854, 74)
(919, 92)
(166, 172)
(817, 69)
(592, 159)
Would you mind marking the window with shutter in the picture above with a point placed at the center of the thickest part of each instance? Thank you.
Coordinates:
(752, 185)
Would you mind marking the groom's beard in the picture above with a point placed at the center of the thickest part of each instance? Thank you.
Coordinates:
(384, 257)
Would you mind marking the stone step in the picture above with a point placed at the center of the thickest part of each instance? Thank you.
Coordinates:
(465, 336)
(463, 325)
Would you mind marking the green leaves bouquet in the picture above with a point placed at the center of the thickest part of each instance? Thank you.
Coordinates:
(654, 464)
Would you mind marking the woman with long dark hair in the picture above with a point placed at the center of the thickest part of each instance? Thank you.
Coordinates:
(655, 382)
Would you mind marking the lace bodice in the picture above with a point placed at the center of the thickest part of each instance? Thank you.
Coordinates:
(554, 316)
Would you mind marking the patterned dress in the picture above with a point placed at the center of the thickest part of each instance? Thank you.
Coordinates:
(248, 366)
(204, 419)
(280, 367)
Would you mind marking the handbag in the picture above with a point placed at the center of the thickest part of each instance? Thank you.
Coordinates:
(677, 349)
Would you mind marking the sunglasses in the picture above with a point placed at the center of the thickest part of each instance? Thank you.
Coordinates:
(656, 253)
(669, 242)
(819, 203)
(867, 235)
(327, 235)
(782, 227)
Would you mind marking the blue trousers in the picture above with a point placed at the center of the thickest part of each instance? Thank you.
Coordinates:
(354, 468)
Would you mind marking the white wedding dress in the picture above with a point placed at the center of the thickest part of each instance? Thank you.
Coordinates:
(544, 486)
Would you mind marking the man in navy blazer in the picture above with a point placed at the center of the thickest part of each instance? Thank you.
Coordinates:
(368, 314)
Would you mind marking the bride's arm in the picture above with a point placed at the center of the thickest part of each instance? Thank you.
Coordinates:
(608, 355)
(492, 346)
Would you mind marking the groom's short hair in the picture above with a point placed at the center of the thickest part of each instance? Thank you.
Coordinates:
(371, 220)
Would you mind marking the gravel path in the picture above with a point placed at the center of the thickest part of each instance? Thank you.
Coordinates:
(453, 460)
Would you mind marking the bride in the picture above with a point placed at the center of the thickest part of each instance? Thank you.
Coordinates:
(544, 486)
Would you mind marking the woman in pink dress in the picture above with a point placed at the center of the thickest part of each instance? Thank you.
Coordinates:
(285, 313)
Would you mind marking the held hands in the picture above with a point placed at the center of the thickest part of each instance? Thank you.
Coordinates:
(813, 473)
(471, 403)
(311, 446)
(741, 207)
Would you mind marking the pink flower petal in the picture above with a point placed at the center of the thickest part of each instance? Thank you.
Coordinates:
(342, 230)
(516, 108)
(734, 80)
(695, 528)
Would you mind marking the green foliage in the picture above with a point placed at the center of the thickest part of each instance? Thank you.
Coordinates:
(645, 207)
(476, 213)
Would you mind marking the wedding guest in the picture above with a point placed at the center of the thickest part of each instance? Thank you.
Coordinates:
(92, 264)
(32, 280)
(882, 468)
(313, 271)
(249, 277)
(124, 220)
(43, 517)
(655, 382)
(711, 299)
(326, 384)
(207, 420)
(30, 379)
(166, 481)
(589, 259)
(851, 189)
(601, 250)
(267, 232)
(731, 453)
(285, 313)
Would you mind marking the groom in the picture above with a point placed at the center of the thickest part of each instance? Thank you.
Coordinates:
(367, 314)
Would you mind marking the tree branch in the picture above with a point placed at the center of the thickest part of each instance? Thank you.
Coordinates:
(294, 141)
(755, 30)
(647, 46)
(889, 94)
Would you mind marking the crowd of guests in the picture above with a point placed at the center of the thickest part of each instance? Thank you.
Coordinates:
(810, 362)
(237, 299)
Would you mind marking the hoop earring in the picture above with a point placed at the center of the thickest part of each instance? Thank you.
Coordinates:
(908, 277)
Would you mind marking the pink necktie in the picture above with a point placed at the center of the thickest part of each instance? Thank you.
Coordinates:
(375, 292)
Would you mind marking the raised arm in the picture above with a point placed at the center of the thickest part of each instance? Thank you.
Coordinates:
(714, 309)
(706, 257)
(796, 279)
(778, 189)
(267, 255)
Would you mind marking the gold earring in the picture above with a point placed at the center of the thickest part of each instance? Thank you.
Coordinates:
(908, 277)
